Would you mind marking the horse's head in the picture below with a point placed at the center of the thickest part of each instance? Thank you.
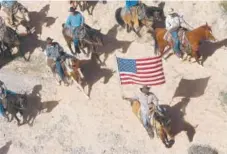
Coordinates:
(208, 33)
(22, 101)
(158, 15)
(154, 13)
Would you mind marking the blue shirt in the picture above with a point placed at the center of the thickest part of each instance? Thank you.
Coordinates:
(74, 20)
(130, 3)
(7, 3)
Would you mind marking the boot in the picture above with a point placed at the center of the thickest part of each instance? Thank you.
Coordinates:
(77, 50)
(150, 131)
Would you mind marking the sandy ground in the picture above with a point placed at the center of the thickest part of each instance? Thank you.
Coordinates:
(70, 124)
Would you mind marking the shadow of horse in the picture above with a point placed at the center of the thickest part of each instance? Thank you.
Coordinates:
(178, 123)
(38, 20)
(5, 148)
(207, 48)
(93, 72)
(111, 43)
(89, 6)
(35, 106)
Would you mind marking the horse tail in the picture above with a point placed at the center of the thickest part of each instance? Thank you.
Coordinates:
(119, 18)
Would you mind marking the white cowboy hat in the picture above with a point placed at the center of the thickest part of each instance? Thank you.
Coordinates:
(170, 11)
(145, 88)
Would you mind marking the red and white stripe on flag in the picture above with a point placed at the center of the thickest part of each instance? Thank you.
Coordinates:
(144, 71)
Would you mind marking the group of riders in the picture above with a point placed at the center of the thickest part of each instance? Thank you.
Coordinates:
(55, 53)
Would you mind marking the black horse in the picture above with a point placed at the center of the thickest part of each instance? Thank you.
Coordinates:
(10, 40)
(15, 103)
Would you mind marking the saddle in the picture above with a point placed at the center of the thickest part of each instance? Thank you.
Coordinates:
(80, 32)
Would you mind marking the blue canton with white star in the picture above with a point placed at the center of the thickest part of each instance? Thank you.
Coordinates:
(126, 65)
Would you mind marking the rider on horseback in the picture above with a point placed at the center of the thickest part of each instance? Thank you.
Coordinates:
(8, 8)
(3, 94)
(145, 98)
(173, 23)
(74, 21)
(55, 53)
(130, 6)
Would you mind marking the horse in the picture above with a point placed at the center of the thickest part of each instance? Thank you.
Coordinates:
(71, 67)
(10, 40)
(190, 40)
(20, 16)
(91, 39)
(15, 103)
(143, 15)
(162, 125)
(160, 121)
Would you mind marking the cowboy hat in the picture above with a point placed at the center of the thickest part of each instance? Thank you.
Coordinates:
(72, 9)
(49, 39)
(145, 88)
(170, 11)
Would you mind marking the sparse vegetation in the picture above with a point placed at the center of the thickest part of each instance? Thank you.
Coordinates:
(223, 99)
(202, 149)
(223, 4)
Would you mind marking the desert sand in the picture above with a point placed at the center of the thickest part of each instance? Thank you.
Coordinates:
(71, 124)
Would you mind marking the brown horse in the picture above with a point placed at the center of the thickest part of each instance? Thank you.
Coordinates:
(161, 123)
(71, 67)
(93, 39)
(191, 40)
(141, 15)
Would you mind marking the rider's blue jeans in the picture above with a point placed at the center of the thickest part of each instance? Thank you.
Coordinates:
(59, 70)
(1, 106)
(145, 119)
(176, 46)
(76, 42)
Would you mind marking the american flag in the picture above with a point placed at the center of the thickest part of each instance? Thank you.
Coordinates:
(144, 71)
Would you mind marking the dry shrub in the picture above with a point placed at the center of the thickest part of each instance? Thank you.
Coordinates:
(202, 149)
(223, 4)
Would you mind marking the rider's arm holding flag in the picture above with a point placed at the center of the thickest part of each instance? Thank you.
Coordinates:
(135, 97)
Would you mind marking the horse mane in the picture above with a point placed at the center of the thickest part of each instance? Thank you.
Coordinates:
(206, 27)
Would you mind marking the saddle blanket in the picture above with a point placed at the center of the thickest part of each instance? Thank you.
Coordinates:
(181, 36)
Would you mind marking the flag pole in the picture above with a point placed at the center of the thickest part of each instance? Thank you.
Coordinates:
(119, 79)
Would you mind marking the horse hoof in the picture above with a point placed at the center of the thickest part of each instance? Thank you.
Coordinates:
(201, 66)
